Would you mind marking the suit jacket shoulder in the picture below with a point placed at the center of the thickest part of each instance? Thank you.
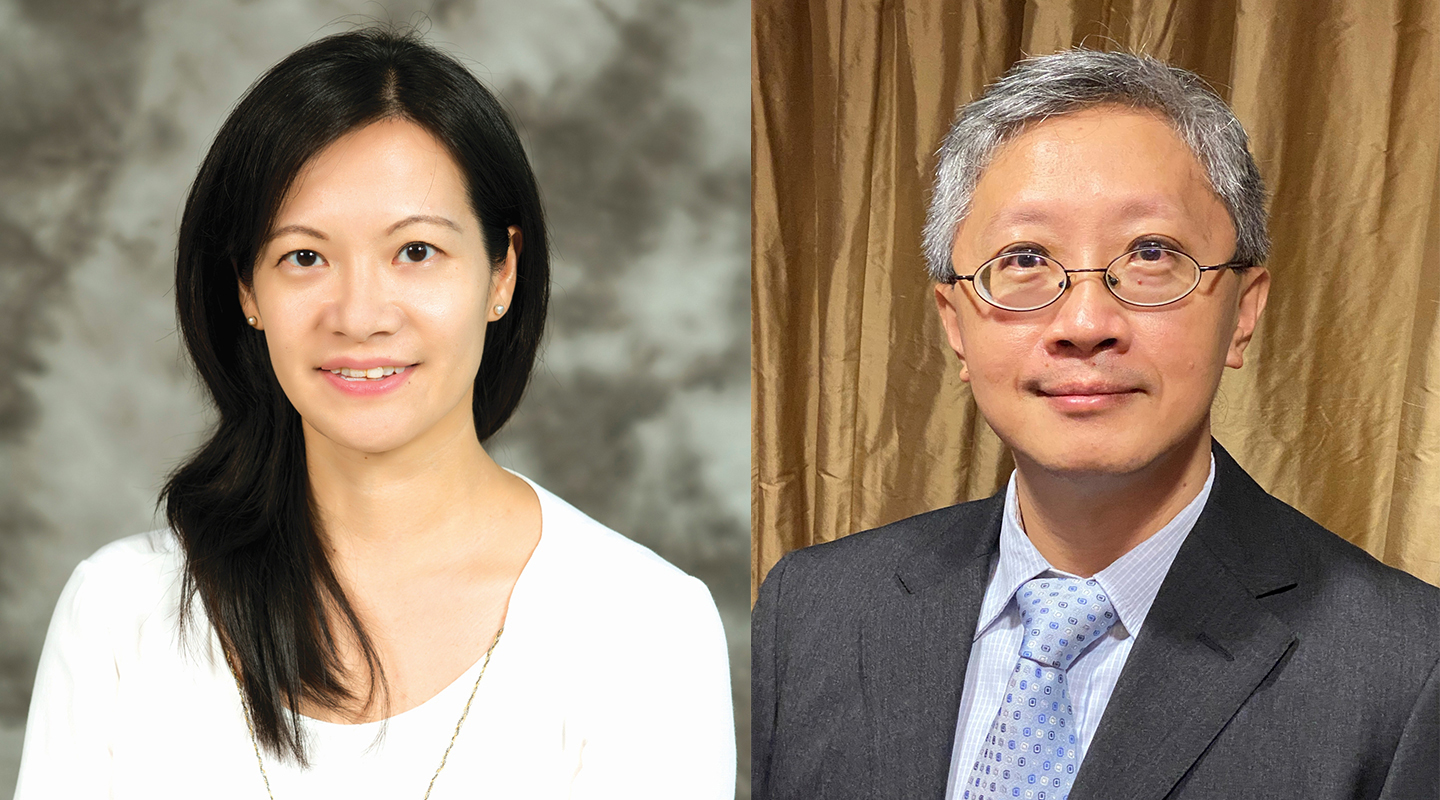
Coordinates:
(1305, 573)
(1278, 660)
(1277, 657)
(848, 574)
(858, 654)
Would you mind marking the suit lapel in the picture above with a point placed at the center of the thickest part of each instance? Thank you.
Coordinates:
(1206, 645)
(914, 652)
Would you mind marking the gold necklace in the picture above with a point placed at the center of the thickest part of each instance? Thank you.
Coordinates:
(486, 663)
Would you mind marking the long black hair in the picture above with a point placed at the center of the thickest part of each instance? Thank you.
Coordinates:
(241, 505)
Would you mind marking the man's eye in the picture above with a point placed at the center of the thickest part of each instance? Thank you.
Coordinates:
(304, 258)
(1149, 249)
(416, 252)
(1153, 252)
(1022, 260)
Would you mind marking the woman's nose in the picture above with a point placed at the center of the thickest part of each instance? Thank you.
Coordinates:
(365, 304)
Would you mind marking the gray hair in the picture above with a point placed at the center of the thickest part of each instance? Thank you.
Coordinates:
(1047, 86)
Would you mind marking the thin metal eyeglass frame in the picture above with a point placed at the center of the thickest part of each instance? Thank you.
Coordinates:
(1202, 269)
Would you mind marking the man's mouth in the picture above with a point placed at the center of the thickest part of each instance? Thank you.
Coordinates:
(1084, 389)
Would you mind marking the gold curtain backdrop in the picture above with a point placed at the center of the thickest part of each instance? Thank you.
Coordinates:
(859, 417)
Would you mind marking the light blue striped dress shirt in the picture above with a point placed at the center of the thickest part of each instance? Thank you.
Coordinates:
(1132, 583)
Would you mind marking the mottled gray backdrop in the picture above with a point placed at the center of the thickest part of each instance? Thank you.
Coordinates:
(636, 117)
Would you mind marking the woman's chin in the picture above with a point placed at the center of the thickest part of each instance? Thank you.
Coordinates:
(365, 439)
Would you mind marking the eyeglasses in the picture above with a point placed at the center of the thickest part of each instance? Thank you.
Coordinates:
(1146, 276)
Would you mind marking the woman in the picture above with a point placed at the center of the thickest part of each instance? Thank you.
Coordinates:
(352, 598)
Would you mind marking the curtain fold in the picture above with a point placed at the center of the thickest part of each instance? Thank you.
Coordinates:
(859, 416)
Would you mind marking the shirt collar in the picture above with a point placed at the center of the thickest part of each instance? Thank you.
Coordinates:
(1132, 581)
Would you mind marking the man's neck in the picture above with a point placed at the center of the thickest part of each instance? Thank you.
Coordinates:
(1082, 524)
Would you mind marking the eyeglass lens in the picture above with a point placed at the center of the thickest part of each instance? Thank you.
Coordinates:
(1150, 276)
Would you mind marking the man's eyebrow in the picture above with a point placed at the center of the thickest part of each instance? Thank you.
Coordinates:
(1012, 217)
(418, 218)
(1148, 208)
(305, 229)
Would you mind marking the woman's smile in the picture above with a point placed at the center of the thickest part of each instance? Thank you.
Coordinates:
(389, 379)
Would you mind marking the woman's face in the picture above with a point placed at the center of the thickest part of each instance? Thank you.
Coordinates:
(376, 266)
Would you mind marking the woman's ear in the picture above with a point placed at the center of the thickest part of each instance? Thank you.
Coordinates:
(502, 280)
(250, 307)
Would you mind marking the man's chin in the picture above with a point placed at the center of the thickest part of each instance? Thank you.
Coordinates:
(1090, 459)
(1090, 467)
(1084, 460)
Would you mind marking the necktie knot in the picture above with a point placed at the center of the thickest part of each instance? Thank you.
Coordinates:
(1062, 617)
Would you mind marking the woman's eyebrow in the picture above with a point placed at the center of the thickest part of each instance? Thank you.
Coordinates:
(308, 231)
(410, 220)
(417, 218)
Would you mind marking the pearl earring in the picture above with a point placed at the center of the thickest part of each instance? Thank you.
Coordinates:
(251, 320)
(499, 309)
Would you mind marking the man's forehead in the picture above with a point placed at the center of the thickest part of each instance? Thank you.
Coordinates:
(1117, 163)
(1052, 144)
(1042, 210)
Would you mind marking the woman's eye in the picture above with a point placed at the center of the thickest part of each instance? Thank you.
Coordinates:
(304, 258)
(416, 252)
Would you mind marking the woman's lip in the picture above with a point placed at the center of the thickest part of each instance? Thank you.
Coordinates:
(356, 363)
(368, 387)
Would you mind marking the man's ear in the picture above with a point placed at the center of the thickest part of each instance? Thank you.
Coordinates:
(1254, 291)
(946, 302)
(502, 280)
(249, 306)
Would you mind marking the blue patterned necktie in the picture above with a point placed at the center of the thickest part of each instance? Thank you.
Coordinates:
(1030, 750)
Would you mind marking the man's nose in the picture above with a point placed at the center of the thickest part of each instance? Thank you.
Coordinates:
(1088, 318)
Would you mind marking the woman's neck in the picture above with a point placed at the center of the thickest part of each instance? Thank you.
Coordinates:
(437, 496)
(427, 542)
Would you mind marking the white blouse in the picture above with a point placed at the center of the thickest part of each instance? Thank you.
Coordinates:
(610, 681)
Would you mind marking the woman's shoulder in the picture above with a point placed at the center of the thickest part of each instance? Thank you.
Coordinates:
(589, 551)
(130, 576)
(139, 558)
(612, 595)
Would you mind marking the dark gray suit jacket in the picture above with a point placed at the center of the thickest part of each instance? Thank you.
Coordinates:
(1278, 661)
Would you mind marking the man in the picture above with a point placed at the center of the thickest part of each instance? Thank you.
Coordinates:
(1133, 617)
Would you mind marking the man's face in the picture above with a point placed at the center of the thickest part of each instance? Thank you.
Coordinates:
(1090, 385)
